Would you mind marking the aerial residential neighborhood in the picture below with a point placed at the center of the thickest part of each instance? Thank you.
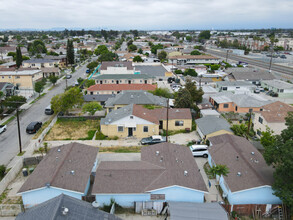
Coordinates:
(119, 111)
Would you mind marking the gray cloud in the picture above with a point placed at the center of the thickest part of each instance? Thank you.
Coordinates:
(146, 14)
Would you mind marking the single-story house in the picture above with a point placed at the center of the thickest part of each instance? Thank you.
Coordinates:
(250, 179)
(39, 63)
(50, 71)
(272, 116)
(124, 79)
(65, 169)
(134, 97)
(135, 120)
(167, 172)
(193, 59)
(209, 112)
(65, 207)
(155, 70)
(116, 67)
(237, 103)
(235, 86)
(8, 89)
(210, 126)
(101, 99)
(117, 88)
(284, 89)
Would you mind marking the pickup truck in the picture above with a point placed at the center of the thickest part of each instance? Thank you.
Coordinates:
(3, 128)
(155, 139)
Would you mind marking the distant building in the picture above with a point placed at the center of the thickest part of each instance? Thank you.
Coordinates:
(193, 59)
(283, 89)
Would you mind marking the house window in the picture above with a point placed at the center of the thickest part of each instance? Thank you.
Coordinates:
(145, 129)
(3, 77)
(281, 90)
(131, 117)
(33, 64)
(112, 81)
(92, 93)
(258, 132)
(179, 123)
(224, 88)
(260, 120)
(17, 77)
(237, 87)
(120, 129)
(226, 105)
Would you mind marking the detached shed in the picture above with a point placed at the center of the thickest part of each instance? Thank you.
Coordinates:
(197, 211)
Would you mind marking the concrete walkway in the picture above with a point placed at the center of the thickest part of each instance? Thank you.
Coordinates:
(213, 195)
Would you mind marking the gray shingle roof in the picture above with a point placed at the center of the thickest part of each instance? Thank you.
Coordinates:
(122, 76)
(151, 173)
(250, 163)
(136, 97)
(55, 169)
(77, 210)
(117, 114)
(279, 84)
(155, 71)
(97, 98)
(211, 124)
(39, 61)
(250, 74)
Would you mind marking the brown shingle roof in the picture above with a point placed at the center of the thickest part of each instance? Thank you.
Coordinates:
(276, 111)
(151, 173)
(174, 113)
(106, 64)
(121, 87)
(144, 113)
(250, 163)
(57, 165)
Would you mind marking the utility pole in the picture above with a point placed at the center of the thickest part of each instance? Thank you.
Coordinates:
(167, 124)
(18, 128)
(227, 56)
(249, 122)
(271, 61)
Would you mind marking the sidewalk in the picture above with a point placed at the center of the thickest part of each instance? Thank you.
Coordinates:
(213, 195)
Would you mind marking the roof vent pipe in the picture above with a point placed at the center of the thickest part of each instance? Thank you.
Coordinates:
(185, 172)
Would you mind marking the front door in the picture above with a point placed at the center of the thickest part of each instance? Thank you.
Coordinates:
(161, 125)
(130, 132)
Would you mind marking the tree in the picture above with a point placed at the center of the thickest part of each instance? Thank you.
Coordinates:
(204, 35)
(92, 65)
(178, 72)
(39, 86)
(219, 170)
(163, 92)
(137, 59)
(162, 55)
(90, 82)
(108, 57)
(278, 152)
(154, 48)
(37, 47)
(70, 52)
(134, 32)
(132, 47)
(53, 79)
(129, 43)
(183, 99)
(195, 52)
(102, 49)
(67, 100)
(2, 171)
(196, 94)
(190, 72)
(18, 57)
(91, 107)
(14, 101)
(188, 38)
(140, 51)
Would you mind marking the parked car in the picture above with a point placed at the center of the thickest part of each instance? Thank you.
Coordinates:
(257, 90)
(49, 110)
(68, 76)
(33, 127)
(88, 71)
(155, 139)
(199, 150)
(3, 128)
(261, 89)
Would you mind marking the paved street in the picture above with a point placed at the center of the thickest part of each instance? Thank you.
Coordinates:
(9, 146)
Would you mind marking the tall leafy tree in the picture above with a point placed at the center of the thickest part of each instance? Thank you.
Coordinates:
(102, 49)
(70, 52)
(183, 99)
(39, 86)
(278, 152)
(137, 59)
(18, 57)
(91, 107)
(196, 94)
(162, 55)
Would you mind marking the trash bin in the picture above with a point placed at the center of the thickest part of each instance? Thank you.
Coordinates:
(24, 172)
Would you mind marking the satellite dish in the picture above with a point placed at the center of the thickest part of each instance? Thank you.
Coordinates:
(95, 204)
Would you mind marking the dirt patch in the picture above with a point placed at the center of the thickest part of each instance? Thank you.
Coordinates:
(71, 130)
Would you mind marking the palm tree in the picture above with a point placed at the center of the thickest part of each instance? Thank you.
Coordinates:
(219, 170)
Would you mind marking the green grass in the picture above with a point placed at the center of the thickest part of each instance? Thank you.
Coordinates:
(90, 136)
(9, 120)
(133, 149)
(40, 96)
(20, 154)
(3, 196)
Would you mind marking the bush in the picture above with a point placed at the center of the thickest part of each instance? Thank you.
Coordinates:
(2, 171)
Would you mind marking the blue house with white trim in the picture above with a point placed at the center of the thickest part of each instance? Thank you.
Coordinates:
(166, 172)
(65, 169)
(249, 179)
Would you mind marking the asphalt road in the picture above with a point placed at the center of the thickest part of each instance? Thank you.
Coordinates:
(262, 64)
(9, 146)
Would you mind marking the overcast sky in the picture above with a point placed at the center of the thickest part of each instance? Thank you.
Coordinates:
(146, 14)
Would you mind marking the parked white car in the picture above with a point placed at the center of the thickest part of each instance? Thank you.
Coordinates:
(199, 150)
(3, 128)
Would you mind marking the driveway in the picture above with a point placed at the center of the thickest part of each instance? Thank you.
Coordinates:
(163, 85)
